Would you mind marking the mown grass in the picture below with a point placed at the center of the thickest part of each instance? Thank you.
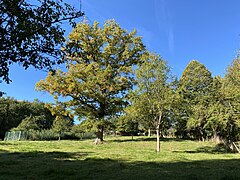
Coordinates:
(117, 158)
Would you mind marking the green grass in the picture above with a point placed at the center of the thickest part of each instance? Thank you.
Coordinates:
(117, 158)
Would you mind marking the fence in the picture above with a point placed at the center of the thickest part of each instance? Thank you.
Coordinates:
(45, 135)
(237, 146)
(16, 136)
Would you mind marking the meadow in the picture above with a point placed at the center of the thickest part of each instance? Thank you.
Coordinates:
(117, 158)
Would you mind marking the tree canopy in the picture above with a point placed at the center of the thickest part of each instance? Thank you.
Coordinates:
(99, 72)
(152, 100)
(31, 34)
(195, 92)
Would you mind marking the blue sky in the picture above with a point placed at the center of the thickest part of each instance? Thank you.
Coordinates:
(178, 30)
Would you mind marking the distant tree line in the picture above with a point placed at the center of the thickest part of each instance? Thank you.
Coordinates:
(24, 115)
(33, 117)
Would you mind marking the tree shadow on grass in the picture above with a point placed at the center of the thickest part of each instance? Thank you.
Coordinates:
(146, 139)
(77, 165)
(135, 139)
(4, 143)
(172, 139)
(218, 149)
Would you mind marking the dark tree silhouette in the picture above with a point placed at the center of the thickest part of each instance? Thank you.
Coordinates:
(31, 35)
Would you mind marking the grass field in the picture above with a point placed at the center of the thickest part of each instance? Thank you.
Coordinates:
(117, 158)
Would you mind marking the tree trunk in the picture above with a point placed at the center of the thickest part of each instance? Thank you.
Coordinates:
(216, 138)
(99, 138)
(149, 132)
(158, 140)
(158, 132)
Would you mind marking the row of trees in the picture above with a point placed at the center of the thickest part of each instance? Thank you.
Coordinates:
(48, 121)
(104, 64)
(102, 67)
(15, 113)
(197, 106)
(212, 104)
(32, 116)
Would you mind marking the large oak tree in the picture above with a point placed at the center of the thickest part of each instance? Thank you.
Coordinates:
(99, 73)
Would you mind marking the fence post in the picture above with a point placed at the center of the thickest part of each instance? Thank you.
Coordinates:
(236, 147)
(19, 135)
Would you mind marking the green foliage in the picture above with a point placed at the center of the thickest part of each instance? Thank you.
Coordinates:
(12, 113)
(154, 96)
(223, 112)
(50, 134)
(77, 129)
(93, 125)
(42, 135)
(209, 107)
(59, 109)
(233, 73)
(62, 124)
(151, 102)
(31, 34)
(89, 125)
(127, 126)
(194, 94)
(47, 135)
(33, 123)
(231, 102)
(195, 83)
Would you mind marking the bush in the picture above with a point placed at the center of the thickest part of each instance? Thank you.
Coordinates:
(42, 135)
(46, 135)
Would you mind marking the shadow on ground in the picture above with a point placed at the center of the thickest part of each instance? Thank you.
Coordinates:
(77, 165)
(218, 149)
(150, 139)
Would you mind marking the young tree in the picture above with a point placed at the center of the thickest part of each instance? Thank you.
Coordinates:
(91, 124)
(99, 71)
(64, 118)
(127, 123)
(62, 124)
(31, 34)
(154, 94)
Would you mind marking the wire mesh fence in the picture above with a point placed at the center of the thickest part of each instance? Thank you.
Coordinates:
(45, 135)
(16, 136)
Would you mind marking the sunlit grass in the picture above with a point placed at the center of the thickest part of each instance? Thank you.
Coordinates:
(118, 158)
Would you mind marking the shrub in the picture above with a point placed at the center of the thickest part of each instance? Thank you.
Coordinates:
(42, 135)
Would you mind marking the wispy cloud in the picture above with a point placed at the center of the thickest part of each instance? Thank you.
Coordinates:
(164, 22)
(90, 9)
(171, 40)
(147, 36)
